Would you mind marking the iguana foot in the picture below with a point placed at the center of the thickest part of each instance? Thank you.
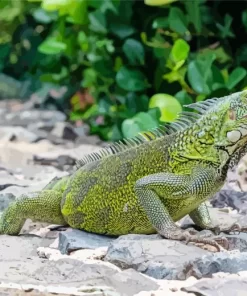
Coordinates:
(191, 230)
(217, 241)
(231, 229)
(236, 227)
(193, 236)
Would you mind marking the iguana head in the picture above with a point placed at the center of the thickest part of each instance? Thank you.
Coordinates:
(229, 115)
(219, 130)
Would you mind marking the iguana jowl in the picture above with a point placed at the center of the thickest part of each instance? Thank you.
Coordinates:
(144, 186)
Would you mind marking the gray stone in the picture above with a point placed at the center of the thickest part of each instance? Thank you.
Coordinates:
(21, 265)
(130, 282)
(16, 134)
(74, 153)
(64, 130)
(237, 241)
(26, 117)
(168, 259)
(74, 239)
(18, 191)
(230, 198)
(152, 255)
(15, 156)
(5, 200)
(10, 88)
(61, 162)
(82, 130)
(13, 289)
(91, 140)
(7, 180)
(36, 290)
(217, 262)
(219, 286)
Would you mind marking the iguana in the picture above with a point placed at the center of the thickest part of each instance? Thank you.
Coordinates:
(145, 184)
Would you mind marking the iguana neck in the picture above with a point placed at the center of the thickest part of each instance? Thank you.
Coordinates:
(194, 144)
(197, 141)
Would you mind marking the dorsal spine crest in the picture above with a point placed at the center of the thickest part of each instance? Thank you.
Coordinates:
(184, 120)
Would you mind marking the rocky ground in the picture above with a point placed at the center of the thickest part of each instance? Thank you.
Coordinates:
(36, 146)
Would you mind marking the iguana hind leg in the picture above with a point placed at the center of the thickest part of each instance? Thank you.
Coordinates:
(201, 218)
(150, 188)
(39, 206)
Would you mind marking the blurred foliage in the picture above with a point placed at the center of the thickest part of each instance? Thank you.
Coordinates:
(122, 66)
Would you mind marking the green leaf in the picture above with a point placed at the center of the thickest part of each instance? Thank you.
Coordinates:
(216, 79)
(52, 46)
(168, 105)
(83, 41)
(177, 20)
(4, 52)
(125, 11)
(184, 98)
(244, 19)
(241, 55)
(121, 30)
(78, 12)
(225, 30)
(235, 77)
(199, 71)
(116, 133)
(155, 113)
(81, 114)
(160, 22)
(134, 51)
(108, 5)
(131, 80)
(219, 52)
(55, 77)
(135, 103)
(221, 55)
(158, 2)
(194, 14)
(42, 16)
(97, 22)
(180, 51)
(55, 4)
(142, 121)
(89, 77)
(105, 106)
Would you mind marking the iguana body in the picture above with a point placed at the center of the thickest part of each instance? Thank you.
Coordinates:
(145, 186)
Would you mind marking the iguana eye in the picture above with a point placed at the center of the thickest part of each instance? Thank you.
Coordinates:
(234, 136)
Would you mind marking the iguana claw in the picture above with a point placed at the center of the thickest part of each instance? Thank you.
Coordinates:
(222, 241)
(233, 228)
(191, 235)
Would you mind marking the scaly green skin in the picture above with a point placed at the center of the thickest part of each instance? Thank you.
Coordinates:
(146, 188)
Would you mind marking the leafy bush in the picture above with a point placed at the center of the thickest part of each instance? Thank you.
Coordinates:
(127, 65)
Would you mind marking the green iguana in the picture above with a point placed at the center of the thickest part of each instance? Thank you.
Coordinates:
(144, 186)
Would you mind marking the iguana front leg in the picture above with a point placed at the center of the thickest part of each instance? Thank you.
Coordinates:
(152, 189)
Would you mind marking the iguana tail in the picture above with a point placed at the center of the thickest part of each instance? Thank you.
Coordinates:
(42, 206)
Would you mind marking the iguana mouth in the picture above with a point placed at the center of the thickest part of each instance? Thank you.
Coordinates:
(231, 148)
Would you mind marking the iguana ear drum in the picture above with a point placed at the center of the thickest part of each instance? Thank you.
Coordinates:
(234, 136)
(232, 114)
